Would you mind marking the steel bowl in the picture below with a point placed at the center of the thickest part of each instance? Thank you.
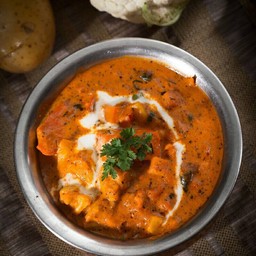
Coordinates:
(53, 82)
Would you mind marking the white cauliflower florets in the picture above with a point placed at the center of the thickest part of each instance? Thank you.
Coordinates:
(157, 12)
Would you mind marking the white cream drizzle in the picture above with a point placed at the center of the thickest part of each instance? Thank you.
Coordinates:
(180, 149)
(70, 180)
(96, 121)
(86, 142)
(96, 118)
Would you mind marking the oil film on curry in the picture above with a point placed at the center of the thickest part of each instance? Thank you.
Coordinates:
(130, 149)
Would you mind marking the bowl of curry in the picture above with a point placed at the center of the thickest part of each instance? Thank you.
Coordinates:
(128, 147)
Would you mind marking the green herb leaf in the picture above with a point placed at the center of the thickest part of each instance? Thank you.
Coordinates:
(108, 169)
(122, 152)
(146, 76)
(135, 96)
(127, 133)
(78, 106)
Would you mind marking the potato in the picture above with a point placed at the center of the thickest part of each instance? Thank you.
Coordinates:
(27, 33)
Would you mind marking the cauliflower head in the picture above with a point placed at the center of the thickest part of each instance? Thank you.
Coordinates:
(151, 12)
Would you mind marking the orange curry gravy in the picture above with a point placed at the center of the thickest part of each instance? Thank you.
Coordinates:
(157, 195)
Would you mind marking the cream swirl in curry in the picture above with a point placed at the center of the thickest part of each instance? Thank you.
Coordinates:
(158, 194)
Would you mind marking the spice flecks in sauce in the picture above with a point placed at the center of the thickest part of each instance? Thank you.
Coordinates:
(96, 120)
(157, 195)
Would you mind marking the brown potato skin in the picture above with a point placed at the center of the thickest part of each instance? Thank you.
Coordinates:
(27, 34)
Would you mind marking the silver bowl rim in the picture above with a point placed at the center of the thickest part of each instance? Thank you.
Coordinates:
(31, 182)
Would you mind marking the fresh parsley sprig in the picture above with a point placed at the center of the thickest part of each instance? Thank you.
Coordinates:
(121, 152)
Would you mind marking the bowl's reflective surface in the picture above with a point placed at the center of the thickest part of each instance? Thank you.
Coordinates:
(44, 93)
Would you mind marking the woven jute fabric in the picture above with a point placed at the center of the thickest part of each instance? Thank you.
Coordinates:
(220, 33)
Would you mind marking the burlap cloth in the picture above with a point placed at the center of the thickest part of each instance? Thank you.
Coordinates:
(220, 33)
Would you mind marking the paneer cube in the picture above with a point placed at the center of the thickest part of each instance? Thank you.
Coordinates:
(70, 160)
(70, 195)
(154, 224)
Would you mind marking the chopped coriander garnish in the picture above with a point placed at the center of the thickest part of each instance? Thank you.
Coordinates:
(146, 76)
(121, 152)
(78, 106)
(135, 96)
